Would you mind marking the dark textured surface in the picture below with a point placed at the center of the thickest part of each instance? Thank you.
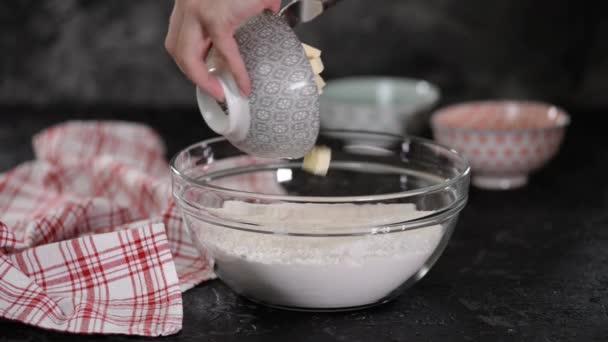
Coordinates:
(526, 265)
(66, 51)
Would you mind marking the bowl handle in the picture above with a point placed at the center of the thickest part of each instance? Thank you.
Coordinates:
(234, 125)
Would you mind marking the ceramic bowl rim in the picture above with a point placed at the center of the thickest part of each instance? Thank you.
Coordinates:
(428, 101)
(459, 178)
(565, 122)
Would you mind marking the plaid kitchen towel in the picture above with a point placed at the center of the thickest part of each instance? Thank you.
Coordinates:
(90, 239)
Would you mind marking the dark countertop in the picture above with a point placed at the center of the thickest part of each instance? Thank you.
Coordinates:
(524, 265)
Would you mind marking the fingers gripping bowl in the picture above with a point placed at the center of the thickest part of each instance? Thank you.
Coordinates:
(281, 117)
(357, 237)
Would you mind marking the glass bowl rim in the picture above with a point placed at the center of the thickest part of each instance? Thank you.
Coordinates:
(461, 177)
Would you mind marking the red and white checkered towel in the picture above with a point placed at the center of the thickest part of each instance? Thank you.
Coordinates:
(90, 240)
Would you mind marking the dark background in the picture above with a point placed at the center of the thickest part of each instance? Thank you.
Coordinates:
(524, 265)
(72, 53)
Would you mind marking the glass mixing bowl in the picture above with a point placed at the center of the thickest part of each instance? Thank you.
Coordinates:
(355, 238)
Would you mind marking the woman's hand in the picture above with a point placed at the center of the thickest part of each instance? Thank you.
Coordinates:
(196, 25)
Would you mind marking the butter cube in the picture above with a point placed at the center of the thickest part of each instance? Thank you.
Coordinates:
(311, 52)
(317, 65)
(317, 161)
(314, 58)
(320, 83)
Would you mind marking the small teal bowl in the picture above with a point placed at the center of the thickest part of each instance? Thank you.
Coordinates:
(378, 104)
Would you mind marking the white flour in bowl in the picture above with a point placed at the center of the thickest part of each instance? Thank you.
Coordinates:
(317, 272)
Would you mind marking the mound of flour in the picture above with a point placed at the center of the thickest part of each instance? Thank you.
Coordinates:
(317, 272)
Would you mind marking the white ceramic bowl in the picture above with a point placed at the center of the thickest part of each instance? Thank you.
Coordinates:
(378, 104)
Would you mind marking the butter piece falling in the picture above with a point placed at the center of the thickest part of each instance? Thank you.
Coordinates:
(317, 160)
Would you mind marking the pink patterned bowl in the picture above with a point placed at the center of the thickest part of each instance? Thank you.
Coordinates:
(504, 140)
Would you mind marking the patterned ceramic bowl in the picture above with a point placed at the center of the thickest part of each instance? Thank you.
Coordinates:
(281, 117)
(504, 140)
(378, 104)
